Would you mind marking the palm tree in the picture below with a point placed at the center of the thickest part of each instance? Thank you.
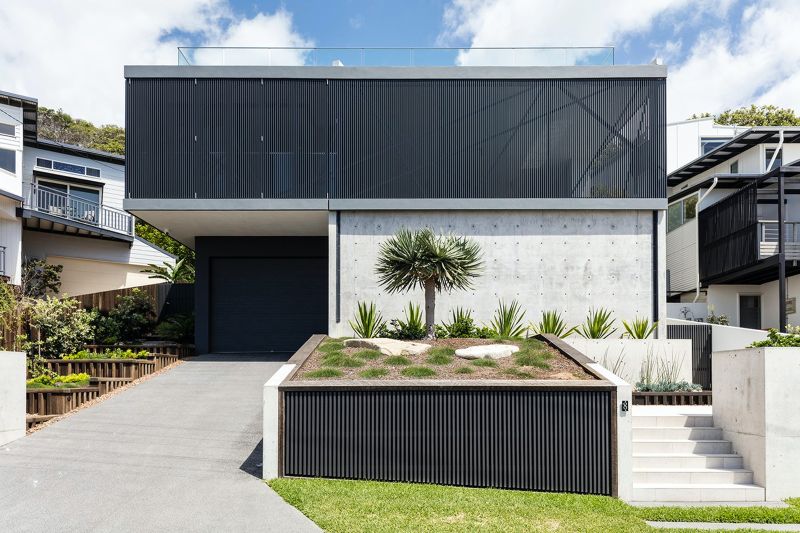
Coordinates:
(180, 272)
(412, 259)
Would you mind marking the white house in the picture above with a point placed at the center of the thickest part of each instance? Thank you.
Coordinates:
(63, 203)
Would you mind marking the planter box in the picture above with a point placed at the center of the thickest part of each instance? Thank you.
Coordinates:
(104, 368)
(545, 435)
(32, 420)
(672, 398)
(163, 354)
(58, 401)
(106, 385)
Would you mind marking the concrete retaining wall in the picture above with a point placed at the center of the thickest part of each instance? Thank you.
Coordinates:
(12, 396)
(564, 260)
(633, 352)
(755, 403)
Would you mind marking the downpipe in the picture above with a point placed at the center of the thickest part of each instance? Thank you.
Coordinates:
(697, 240)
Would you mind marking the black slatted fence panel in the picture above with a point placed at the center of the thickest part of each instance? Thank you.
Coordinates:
(728, 233)
(700, 335)
(533, 440)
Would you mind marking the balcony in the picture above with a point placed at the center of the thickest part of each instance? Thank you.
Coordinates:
(768, 239)
(46, 209)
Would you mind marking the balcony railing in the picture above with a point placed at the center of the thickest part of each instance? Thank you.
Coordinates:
(72, 208)
(768, 239)
(2, 260)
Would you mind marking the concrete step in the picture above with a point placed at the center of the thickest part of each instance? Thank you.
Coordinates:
(676, 433)
(695, 476)
(667, 446)
(672, 421)
(687, 460)
(708, 492)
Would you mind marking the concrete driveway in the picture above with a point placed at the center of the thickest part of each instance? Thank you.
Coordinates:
(180, 452)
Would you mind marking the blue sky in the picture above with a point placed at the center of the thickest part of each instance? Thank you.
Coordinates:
(721, 53)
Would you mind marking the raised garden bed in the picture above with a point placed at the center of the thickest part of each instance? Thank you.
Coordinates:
(672, 398)
(103, 368)
(164, 354)
(58, 400)
(536, 360)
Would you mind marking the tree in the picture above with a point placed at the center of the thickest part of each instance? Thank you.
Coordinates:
(412, 259)
(58, 126)
(765, 115)
(181, 272)
(165, 242)
(40, 278)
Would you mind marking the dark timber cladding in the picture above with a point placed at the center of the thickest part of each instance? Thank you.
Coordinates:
(547, 440)
(395, 138)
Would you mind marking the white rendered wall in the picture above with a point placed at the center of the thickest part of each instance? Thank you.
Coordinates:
(11, 238)
(12, 182)
(725, 300)
(634, 352)
(12, 396)
(755, 404)
(565, 260)
(683, 139)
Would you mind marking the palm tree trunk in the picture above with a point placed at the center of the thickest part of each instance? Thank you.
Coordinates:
(430, 309)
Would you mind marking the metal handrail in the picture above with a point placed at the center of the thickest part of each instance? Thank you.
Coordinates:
(395, 56)
(60, 204)
(768, 231)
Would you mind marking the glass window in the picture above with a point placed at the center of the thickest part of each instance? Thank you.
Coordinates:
(44, 163)
(68, 167)
(93, 172)
(735, 167)
(690, 208)
(681, 212)
(708, 144)
(768, 157)
(8, 160)
(7, 129)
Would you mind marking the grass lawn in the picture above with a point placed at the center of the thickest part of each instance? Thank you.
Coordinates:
(352, 506)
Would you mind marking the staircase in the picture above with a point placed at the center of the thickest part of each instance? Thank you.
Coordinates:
(683, 458)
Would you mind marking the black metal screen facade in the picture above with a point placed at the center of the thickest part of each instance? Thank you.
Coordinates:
(700, 335)
(728, 233)
(380, 138)
(515, 439)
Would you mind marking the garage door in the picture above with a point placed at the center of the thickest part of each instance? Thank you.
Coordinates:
(267, 304)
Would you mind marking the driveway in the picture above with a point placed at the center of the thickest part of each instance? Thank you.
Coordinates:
(180, 452)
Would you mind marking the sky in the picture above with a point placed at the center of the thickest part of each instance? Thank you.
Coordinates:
(721, 54)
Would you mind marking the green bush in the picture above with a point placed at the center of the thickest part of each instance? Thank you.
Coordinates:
(461, 325)
(778, 340)
(552, 323)
(412, 328)
(133, 315)
(598, 324)
(507, 322)
(440, 356)
(177, 328)
(58, 326)
(116, 353)
(68, 381)
(40, 279)
(668, 386)
(639, 328)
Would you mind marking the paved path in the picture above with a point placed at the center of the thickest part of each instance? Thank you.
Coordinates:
(180, 452)
(723, 526)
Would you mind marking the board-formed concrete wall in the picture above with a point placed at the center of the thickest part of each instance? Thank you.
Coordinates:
(12, 396)
(755, 404)
(549, 259)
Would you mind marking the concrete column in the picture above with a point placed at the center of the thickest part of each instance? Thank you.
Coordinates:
(12, 396)
(271, 427)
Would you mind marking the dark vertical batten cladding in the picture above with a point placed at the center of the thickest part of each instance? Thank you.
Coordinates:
(546, 440)
(700, 335)
(728, 233)
(388, 138)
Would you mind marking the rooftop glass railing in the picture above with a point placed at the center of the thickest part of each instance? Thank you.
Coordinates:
(395, 57)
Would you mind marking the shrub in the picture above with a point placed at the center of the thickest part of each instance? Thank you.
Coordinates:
(133, 315)
(59, 326)
(116, 353)
(418, 372)
(552, 323)
(40, 279)
(324, 373)
(640, 328)
(461, 325)
(507, 322)
(485, 333)
(668, 386)
(68, 381)
(177, 328)
(778, 340)
(368, 321)
(412, 327)
(598, 324)
(397, 360)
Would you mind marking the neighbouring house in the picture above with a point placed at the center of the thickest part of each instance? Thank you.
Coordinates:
(63, 204)
(723, 230)
(286, 180)
(689, 139)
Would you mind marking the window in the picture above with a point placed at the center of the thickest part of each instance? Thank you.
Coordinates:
(768, 153)
(682, 211)
(735, 167)
(77, 201)
(67, 167)
(7, 129)
(8, 160)
(710, 143)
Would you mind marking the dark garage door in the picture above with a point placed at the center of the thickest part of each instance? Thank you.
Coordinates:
(267, 304)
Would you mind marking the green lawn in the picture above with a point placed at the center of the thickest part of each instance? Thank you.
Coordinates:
(353, 506)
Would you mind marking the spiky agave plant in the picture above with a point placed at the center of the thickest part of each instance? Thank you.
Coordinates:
(421, 259)
(639, 328)
(507, 322)
(368, 321)
(598, 325)
(552, 323)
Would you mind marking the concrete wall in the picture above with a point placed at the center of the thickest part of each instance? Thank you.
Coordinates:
(755, 404)
(12, 396)
(633, 352)
(725, 300)
(565, 260)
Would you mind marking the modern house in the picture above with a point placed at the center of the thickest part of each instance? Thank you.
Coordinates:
(286, 180)
(725, 245)
(689, 139)
(63, 203)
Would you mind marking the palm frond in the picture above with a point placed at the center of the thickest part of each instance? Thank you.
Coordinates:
(507, 322)
(639, 328)
(368, 322)
(552, 323)
(598, 324)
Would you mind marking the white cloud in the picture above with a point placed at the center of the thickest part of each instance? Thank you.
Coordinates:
(71, 54)
(725, 69)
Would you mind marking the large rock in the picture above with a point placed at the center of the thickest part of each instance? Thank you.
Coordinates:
(487, 351)
(389, 346)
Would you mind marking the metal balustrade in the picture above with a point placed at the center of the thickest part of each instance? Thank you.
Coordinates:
(769, 231)
(70, 207)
